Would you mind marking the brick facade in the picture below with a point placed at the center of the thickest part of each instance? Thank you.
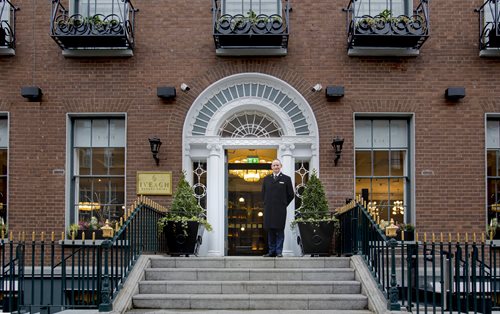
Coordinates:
(174, 44)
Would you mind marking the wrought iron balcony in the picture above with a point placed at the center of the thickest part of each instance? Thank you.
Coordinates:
(7, 27)
(489, 29)
(251, 33)
(97, 32)
(385, 33)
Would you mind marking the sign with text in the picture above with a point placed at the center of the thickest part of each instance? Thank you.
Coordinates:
(252, 160)
(154, 183)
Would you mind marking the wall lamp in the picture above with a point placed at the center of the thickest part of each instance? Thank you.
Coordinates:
(155, 148)
(166, 92)
(454, 93)
(334, 92)
(32, 93)
(337, 146)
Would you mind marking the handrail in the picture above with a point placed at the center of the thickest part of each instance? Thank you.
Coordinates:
(436, 275)
(88, 275)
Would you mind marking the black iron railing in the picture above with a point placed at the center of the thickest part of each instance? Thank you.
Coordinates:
(436, 273)
(249, 29)
(45, 274)
(385, 30)
(489, 25)
(99, 31)
(7, 24)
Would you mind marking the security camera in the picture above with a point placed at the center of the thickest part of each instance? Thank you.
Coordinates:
(185, 87)
(316, 88)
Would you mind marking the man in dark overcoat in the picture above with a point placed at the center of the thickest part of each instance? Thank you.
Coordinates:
(277, 193)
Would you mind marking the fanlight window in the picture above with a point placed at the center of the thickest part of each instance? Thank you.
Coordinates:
(250, 124)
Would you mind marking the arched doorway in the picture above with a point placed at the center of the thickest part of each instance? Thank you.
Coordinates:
(245, 111)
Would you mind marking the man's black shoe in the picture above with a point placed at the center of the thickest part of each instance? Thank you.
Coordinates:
(279, 255)
(269, 255)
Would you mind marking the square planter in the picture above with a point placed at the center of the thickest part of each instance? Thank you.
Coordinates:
(316, 238)
(182, 241)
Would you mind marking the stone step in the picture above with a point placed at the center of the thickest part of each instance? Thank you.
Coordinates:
(154, 311)
(250, 287)
(250, 262)
(252, 301)
(236, 274)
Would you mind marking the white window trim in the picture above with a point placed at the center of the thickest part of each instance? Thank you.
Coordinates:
(69, 123)
(411, 167)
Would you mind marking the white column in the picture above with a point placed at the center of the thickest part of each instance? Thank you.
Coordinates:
(290, 247)
(215, 201)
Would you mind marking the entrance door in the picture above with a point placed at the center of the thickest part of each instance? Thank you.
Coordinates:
(246, 169)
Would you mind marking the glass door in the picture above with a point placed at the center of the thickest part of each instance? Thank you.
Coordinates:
(246, 168)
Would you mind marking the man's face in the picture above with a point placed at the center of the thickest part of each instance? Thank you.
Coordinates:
(276, 166)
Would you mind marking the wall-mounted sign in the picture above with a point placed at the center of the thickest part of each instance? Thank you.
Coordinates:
(252, 160)
(154, 182)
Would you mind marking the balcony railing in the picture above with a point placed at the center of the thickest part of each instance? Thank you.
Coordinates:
(99, 31)
(489, 28)
(250, 33)
(385, 31)
(7, 27)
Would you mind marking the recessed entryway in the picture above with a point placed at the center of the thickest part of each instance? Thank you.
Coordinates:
(246, 168)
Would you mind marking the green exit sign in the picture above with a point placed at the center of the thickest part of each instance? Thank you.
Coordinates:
(252, 160)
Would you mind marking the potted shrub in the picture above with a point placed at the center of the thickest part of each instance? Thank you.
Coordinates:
(408, 232)
(315, 223)
(89, 227)
(183, 225)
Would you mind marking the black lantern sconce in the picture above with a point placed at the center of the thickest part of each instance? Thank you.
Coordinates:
(155, 148)
(337, 146)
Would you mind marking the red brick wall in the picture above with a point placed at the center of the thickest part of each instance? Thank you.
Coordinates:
(174, 44)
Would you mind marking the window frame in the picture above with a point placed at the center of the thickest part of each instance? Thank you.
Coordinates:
(407, 7)
(409, 168)
(224, 6)
(6, 116)
(117, 8)
(71, 213)
(488, 119)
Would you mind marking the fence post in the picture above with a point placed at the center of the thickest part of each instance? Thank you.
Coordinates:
(105, 305)
(393, 304)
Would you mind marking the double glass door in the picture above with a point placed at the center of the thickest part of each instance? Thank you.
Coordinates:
(246, 169)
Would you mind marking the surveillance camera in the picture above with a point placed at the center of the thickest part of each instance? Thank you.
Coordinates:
(316, 88)
(185, 87)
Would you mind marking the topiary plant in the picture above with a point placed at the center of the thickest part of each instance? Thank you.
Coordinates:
(314, 206)
(184, 207)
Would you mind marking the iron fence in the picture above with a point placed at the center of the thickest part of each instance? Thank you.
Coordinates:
(47, 275)
(442, 273)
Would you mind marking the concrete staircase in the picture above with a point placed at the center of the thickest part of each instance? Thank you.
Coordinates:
(233, 284)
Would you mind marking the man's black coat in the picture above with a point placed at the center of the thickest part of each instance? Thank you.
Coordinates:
(277, 194)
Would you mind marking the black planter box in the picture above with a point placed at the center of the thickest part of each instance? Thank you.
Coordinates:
(316, 239)
(178, 243)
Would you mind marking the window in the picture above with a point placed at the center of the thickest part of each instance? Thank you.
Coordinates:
(5, 23)
(491, 11)
(4, 153)
(493, 167)
(382, 148)
(267, 7)
(98, 171)
(375, 7)
(102, 7)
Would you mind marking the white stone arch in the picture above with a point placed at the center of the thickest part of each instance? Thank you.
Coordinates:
(235, 94)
